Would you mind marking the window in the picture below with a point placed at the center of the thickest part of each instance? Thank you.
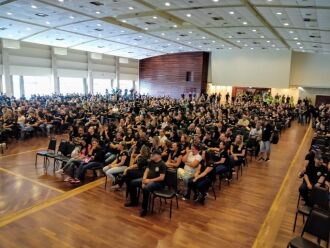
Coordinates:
(101, 85)
(71, 85)
(125, 85)
(40, 85)
(137, 86)
(17, 86)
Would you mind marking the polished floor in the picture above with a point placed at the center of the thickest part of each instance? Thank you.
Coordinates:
(38, 210)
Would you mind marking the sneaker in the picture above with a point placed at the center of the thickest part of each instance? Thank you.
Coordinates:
(68, 179)
(185, 197)
(60, 171)
(260, 159)
(267, 159)
(115, 187)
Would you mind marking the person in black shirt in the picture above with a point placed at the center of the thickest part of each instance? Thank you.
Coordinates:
(267, 131)
(175, 157)
(202, 180)
(314, 171)
(152, 180)
(96, 159)
(221, 159)
(120, 164)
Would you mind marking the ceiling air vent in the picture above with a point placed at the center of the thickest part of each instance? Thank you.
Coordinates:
(2, 28)
(41, 15)
(96, 3)
(150, 23)
(309, 20)
(60, 39)
(217, 18)
(240, 32)
(136, 39)
(183, 35)
(98, 29)
(315, 36)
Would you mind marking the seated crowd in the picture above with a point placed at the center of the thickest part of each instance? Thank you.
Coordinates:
(135, 141)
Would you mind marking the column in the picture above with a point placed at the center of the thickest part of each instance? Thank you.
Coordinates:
(55, 78)
(21, 84)
(85, 86)
(89, 81)
(117, 72)
(8, 82)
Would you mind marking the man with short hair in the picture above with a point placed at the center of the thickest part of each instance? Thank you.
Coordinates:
(152, 180)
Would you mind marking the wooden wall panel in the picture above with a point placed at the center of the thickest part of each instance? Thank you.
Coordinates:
(166, 74)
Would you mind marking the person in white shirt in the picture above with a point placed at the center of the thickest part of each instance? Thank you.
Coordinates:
(191, 161)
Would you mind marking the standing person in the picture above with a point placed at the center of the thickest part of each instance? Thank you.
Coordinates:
(152, 180)
(265, 148)
(227, 97)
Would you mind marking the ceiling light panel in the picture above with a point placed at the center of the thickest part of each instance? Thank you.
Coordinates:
(43, 14)
(17, 30)
(204, 45)
(102, 8)
(168, 47)
(150, 22)
(300, 3)
(182, 34)
(97, 28)
(134, 52)
(218, 17)
(160, 4)
(137, 39)
(242, 32)
(58, 38)
(100, 46)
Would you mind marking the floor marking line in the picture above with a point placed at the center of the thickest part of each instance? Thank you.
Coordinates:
(32, 180)
(262, 240)
(15, 154)
(7, 219)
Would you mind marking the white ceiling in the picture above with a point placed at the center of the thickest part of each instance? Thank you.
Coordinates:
(145, 28)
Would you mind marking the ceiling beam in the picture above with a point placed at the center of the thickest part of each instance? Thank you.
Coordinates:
(284, 6)
(256, 13)
(8, 1)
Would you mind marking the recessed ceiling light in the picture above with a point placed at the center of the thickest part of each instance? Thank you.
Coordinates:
(163, 34)
(33, 7)
(99, 25)
(28, 28)
(238, 41)
(245, 23)
(203, 37)
(286, 24)
(277, 49)
(231, 12)
(175, 26)
(189, 42)
(268, 41)
(71, 17)
(123, 20)
(199, 46)
(61, 1)
(75, 29)
(146, 28)
(301, 47)
(9, 13)
(130, 8)
(213, 41)
(188, 15)
(298, 43)
(229, 48)
(190, 32)
(251, 48)
(273, 45)
(245, 45)
(262, 36)
(269, 0)
(123, 31)
(295, 38)
(47, 23)
(215, 1)
(155, 17)
(177, 38)
(254, 30)
(98, 12)
(230, 36)
(279, 13)
(167, 4)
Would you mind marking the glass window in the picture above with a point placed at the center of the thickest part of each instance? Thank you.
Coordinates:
(40, 85)
(100, 85)
(125, 85)
(137, 86)
(16, 87)
(71, 85)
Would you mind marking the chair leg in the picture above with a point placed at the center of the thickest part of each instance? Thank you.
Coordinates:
(177, 202)
(298, 200)
(106, 182)
(220, 182)
(171, 208)
(295, 222)
(36, 161)
(241, 166)
(303, 219)
(237, 172)
(153, 204)
(160, 205)
(215, 196)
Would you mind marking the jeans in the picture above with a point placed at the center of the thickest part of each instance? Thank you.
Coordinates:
(110, 172)
(70, 166)
(201, 185)
(110, 158)
(304, 192)
(84, 167)
(46, 128)
(150, 187)
(185, 176)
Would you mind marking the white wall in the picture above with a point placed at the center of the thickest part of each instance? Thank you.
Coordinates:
(310, 70)
(251, 68)
(39, 60)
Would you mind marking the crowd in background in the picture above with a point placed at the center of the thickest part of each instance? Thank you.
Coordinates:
(136, 138)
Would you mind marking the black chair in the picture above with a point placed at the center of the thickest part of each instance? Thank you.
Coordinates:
(317, 225)
(50, 150)
(319, 199)
(60, 150)
(64, 154)
(170, 190)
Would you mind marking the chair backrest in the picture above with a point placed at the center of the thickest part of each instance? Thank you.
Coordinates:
(171, 180)
(320, 198)
(52, 144)
(69, 149)
(62, 147)
(317, 225)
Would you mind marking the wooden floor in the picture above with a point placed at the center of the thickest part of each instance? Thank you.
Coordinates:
(38, 210)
